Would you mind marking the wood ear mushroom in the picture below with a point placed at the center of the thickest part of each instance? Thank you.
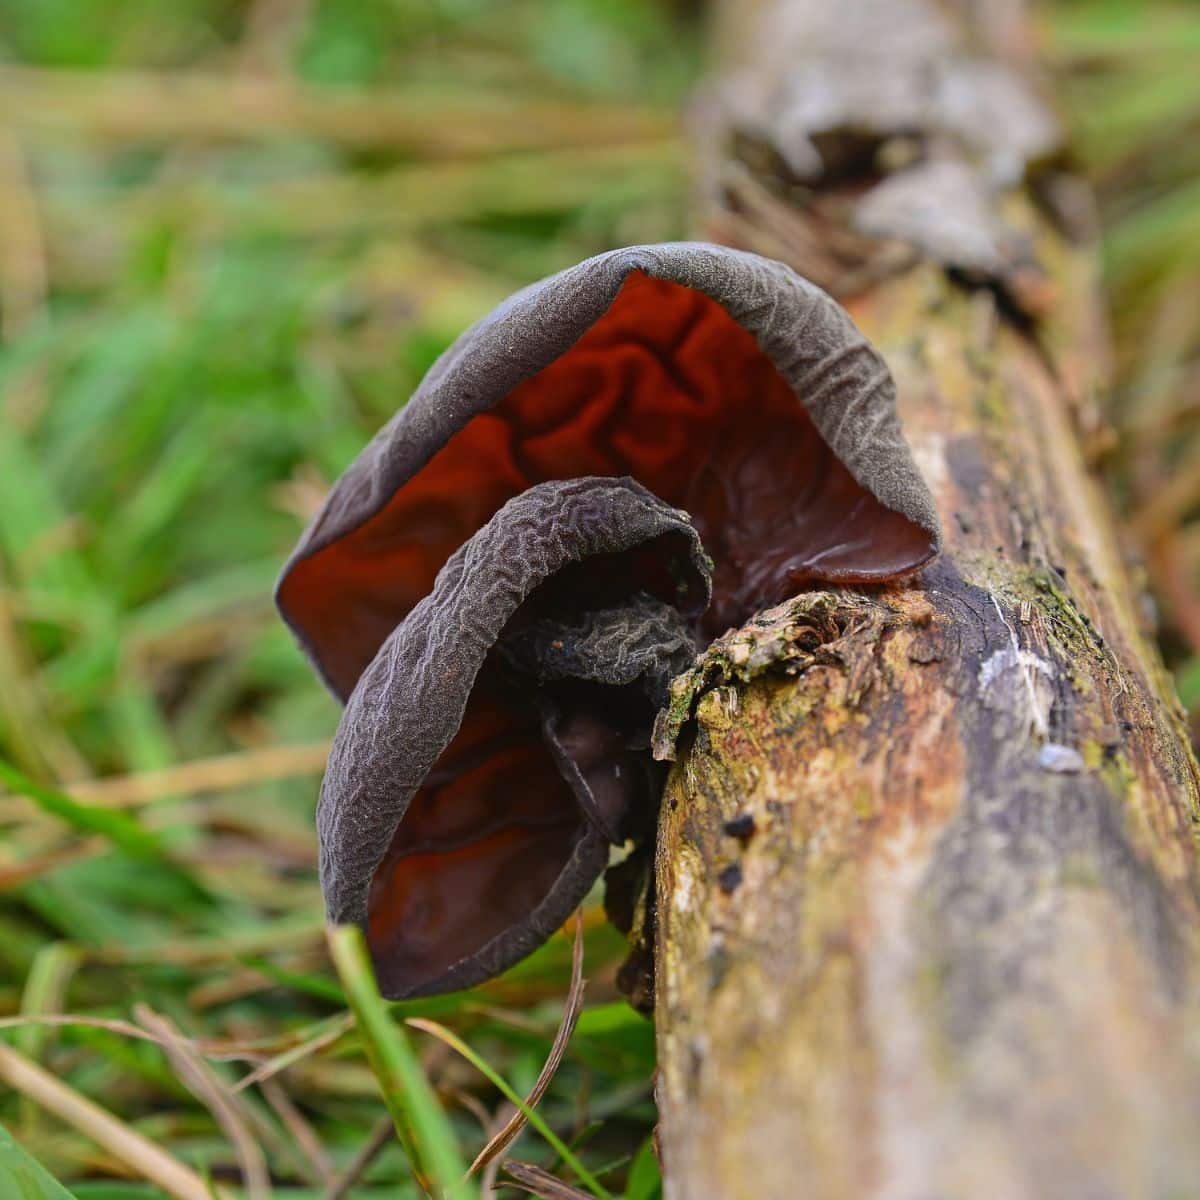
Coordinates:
(616, 465)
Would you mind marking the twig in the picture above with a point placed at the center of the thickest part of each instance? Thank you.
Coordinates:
(138, 1153)
(535, 1119)
(219, 774)
(122, 1028)
(574, 1004)
(301, 1130)
(199, 1079)
(535, 1181)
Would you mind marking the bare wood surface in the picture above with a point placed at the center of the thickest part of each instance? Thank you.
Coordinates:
(927, 876)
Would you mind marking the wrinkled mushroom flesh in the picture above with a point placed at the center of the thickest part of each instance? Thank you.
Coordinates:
(664, 387)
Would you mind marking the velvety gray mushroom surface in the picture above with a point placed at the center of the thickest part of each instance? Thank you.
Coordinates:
(506, 578)
(471, 796)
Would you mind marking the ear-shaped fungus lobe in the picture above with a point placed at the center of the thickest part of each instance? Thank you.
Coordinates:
(447, 829)
(723, 382)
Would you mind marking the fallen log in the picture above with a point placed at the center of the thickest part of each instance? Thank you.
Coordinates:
(926, 873)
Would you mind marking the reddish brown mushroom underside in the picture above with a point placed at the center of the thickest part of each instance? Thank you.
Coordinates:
(625, 366)
(507, 743)
(481, 844)
(668, 388)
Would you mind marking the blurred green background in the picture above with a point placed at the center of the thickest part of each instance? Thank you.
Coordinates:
(206, 308)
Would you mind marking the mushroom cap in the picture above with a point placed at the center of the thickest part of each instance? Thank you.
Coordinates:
(501, 842)
(722, 381)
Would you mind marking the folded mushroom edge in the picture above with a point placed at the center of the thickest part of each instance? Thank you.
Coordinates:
(484, 821)
(839, 380)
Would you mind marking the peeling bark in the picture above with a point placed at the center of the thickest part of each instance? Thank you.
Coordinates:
(929, 922)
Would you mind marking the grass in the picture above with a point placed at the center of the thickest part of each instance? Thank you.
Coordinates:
(232, 239)
(421, 1125)
(210, 299)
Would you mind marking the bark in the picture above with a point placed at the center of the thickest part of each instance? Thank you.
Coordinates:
(927, 879)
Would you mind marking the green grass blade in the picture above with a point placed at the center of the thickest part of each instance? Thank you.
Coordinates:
(121, 830)
(23, 1177)
(531, 1115)
(645, 1178)
(420, 1122)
